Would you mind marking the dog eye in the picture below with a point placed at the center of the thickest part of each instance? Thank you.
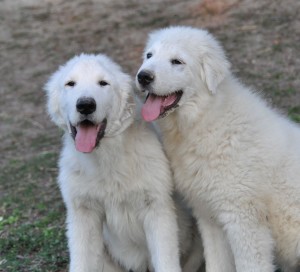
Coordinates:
(71, 83)
(103, 83)
(149, 55)
(176, 61)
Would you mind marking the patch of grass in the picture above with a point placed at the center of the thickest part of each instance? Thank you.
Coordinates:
(282, 92)
(32, 215)
(278, 48)
(39, 246)
(10, 220)
(294, 114)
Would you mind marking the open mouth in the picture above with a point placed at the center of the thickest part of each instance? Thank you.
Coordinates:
(157, 106)
(87, 135)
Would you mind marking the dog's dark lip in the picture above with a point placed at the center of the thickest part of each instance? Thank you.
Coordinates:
(86, 122)
(146, 96)
(178, 93)
(178, 97)
(73, 131)
(101, 132)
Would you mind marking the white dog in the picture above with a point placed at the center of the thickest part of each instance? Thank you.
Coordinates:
(114, 176)
(235, 159)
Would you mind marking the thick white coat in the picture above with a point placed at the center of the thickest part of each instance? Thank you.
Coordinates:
(119, 197)
(236, 160)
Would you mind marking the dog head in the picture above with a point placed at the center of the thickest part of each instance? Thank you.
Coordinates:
(90, 97)
(179, 62)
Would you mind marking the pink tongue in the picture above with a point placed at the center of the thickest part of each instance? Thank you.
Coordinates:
(151, 108)
(86, 138)
(154, 106)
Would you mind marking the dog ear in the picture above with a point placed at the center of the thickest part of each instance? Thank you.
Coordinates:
(215, 67)
(52, 88)
(127, 94)
(124, 112)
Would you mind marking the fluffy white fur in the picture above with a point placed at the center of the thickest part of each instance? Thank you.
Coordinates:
(118, 196)
(236, 160)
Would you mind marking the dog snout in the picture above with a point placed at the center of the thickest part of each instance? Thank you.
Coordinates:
(86, 105)
(145, 77)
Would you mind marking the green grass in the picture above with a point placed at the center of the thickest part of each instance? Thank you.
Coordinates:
(32, 215)
(37, 246)
(294, 114)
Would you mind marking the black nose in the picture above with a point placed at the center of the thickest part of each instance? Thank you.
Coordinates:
(86, 105)
(145, 78)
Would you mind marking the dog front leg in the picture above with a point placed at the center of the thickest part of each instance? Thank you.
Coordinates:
(162, 238)
(251, 242)
(217, 252)
(86, 242)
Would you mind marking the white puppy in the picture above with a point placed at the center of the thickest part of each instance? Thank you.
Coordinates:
(235, 159)
(114, 176)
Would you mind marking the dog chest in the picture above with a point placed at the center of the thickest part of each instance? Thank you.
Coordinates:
(124, 220)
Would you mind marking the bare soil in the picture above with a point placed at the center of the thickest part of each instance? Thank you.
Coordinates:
(262, 40)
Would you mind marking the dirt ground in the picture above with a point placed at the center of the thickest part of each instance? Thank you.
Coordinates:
(261, 38)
